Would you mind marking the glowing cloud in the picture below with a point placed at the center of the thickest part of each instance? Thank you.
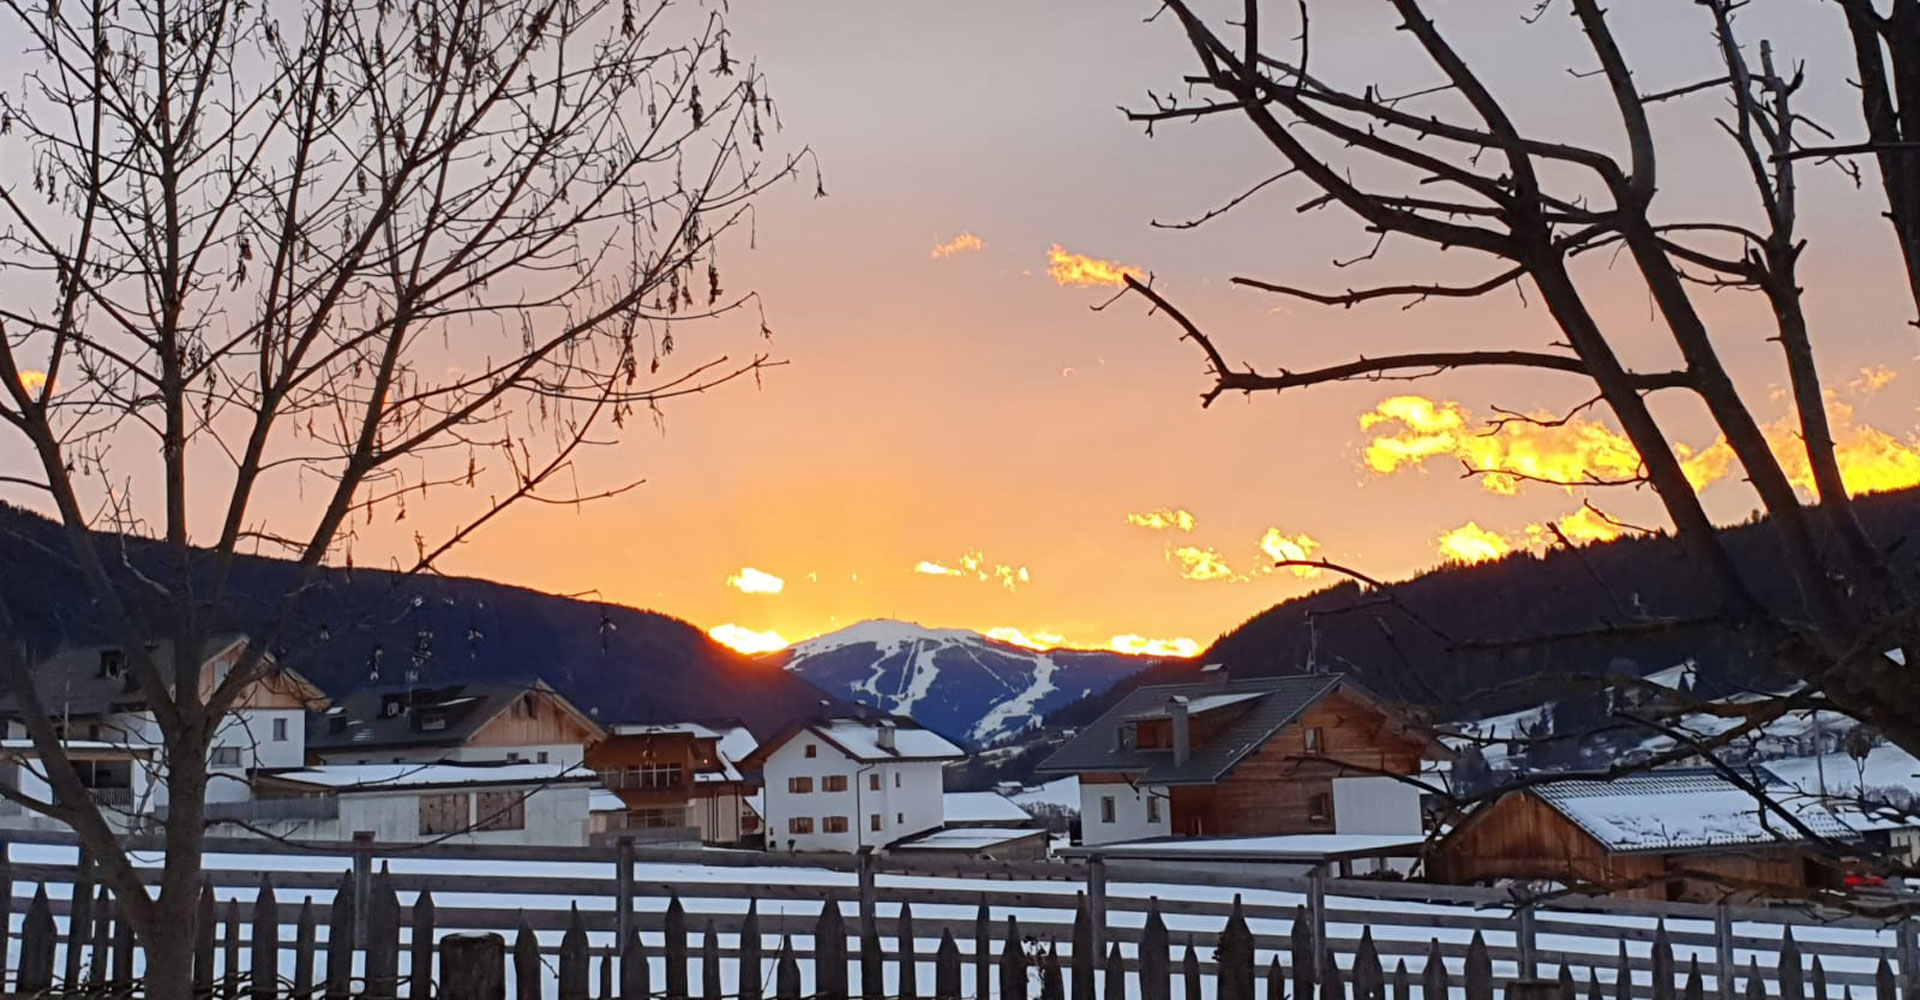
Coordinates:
(1078, 269)
(1161, 520)
(1281, 547)
(976, 564)
(754, 581)
(1041, 641)
(1570, 451)
(1471, 543)
(1871, 460)
(746, 640)
(1140, 645)
(1200, 564)
(959, 244)
(1585, 525)
(33, 381)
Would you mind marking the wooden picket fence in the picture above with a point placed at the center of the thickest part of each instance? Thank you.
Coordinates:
(985, 930)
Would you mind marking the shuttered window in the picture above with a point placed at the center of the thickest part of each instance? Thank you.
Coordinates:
(445, 812)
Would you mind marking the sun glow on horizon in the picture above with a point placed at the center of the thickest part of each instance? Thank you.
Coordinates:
(746, 640)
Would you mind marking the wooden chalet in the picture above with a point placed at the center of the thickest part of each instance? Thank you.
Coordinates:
(1682, 835)
(680, 774)
(475, 722)
(1258, 756)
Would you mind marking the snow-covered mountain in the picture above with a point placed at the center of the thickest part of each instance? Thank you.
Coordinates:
(960, 683)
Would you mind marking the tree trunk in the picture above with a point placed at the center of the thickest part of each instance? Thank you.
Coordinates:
(169, 942)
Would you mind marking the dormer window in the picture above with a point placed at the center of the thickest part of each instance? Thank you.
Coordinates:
(113, 664)
(1316, 741)
(433, 721)
(1127, 737)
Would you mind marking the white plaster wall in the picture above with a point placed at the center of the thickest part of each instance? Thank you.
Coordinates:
(791, 761)
(1129, 813)
(556, 816)
(567, 754)
(1375, 804)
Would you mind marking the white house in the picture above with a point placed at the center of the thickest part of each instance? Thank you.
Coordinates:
(533, 804)
(119, 777)
(96, 698)
(842, 784)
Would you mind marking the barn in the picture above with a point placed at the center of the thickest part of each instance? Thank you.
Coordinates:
(1686, 834)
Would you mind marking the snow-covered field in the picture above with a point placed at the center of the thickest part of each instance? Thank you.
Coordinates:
(486, 895)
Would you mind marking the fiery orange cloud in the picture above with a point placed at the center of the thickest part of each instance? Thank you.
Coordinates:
(1871, 460)
(1572, 451)
(1077, 269)
(1201, 564)
(959, 244)
(747, 640)
(975, 563)
(1163, 519)
(1041, 641)
(1282, 547)
(755, 581)
(1471, 543)
(33, 381)
(1583, 525)
(1140, 645)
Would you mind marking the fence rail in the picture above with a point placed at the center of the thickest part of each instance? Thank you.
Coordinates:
(872, 927)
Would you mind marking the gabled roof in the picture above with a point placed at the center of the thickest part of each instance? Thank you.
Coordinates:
(71, 684)
(349, 778)
(860, 739)
(429, 715)
(1269, 704)
(983, 808)
(1685, 808)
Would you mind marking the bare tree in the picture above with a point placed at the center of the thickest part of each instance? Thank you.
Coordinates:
(1446, 166)
(269, 270)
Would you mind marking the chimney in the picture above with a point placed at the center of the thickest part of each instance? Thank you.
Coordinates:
(1182, 735)
(885, 736)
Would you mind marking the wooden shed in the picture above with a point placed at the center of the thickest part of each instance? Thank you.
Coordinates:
(1671, 834)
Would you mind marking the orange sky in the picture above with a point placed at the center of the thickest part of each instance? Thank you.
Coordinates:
(950, 403)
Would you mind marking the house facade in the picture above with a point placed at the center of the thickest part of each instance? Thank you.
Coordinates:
(479, 722)
(1269, 756)
(681, 774)
(527, 803)
(847, 783)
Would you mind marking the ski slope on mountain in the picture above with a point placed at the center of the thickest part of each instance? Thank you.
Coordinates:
(957, 682)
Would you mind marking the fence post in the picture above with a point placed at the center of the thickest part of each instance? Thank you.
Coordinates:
(1907, 940)
(869, 896)
(1723, 949)
(1097, 906)
(473, 967)
(1524, 938)
(79, 924)
(623, 886)
(362, 884)
(1317, 923)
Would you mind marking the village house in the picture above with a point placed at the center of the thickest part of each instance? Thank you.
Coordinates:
(411, 802)
(679, 774)
(1299, 755)
(106, 723)
(847, 783)
(1677, 834)
(453, 721)
(985, 826)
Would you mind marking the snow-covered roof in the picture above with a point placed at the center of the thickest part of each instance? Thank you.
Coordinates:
(693, 729)
(972, 838)
(860, 739)
(136, 749)
(983, 807)
(1685, 808)
(601, 800)
(1063, 792)
(1207, 703)
(1280, 847)
(379, 777)
(736, 743)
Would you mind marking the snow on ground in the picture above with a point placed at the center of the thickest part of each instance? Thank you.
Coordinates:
(1063, 792)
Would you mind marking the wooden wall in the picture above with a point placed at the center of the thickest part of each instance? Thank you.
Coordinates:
(1271, 791)
(546, 723)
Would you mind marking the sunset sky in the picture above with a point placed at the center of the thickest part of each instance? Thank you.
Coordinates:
(958, 439)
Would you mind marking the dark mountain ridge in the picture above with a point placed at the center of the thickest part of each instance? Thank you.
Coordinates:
(360, 627)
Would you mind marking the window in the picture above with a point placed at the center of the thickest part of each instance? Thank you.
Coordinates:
(800, 786)
(874, 822)
(800, 824)
(1106, 808)
(433, 721)
(541, 756)
(654, 776)
(445, 812)
(280, 730)
(1316, 741)
(113, 663)
(896, 779)
(225, 757)
(899, 817)
(1153, 808)
(657, 819)
(835, 824)
(513, 756)
(1320, 807)
(873, 781)
(501, 811)
(834, 783)
(812, 751)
